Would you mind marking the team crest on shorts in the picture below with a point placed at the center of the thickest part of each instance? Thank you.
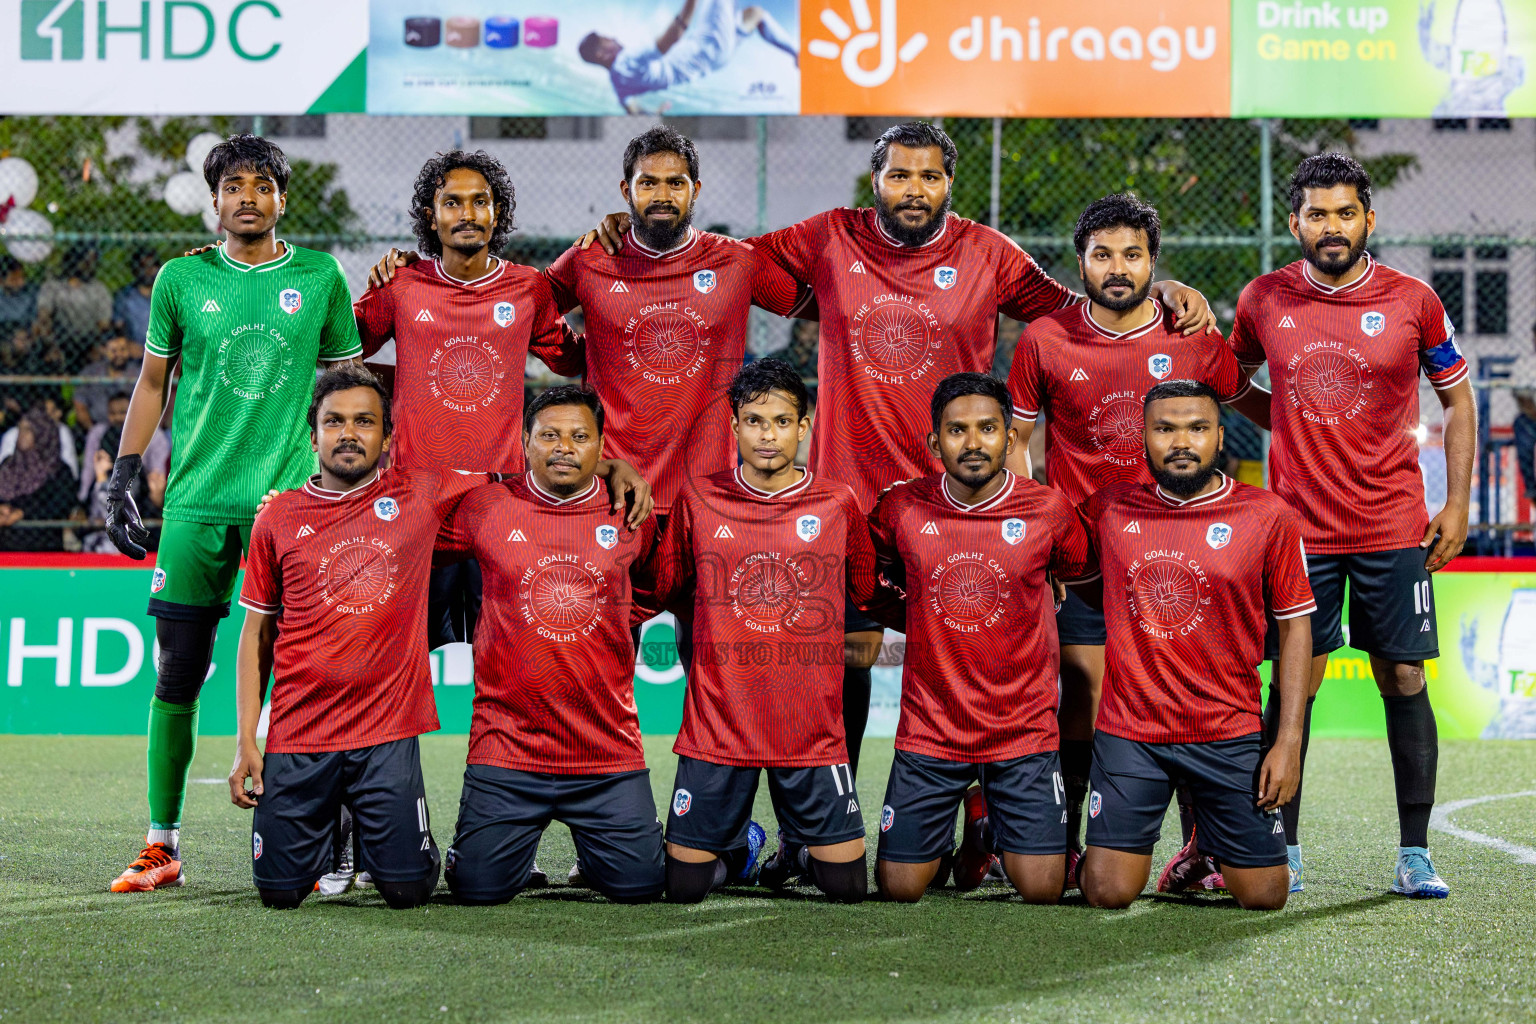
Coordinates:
(808, 528)
(704, 281)
(1372, 323)
(682, 800)
(1218, 536)
(386, 509)
(607, 536)
(451, 859)
(255, 846)
(1013, 530)
(157, 581)
(945, 277)
(1160, 365)
(887, 816)
(504, 313)
(1095, 804)
(290, 300)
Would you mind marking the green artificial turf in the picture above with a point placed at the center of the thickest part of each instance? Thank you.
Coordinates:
(72, 814)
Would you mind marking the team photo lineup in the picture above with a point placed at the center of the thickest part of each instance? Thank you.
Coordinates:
(1083, 637)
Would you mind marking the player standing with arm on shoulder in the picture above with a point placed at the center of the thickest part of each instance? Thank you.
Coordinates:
(767, 554)
(1191, 566)
(247, 322)
(1346, 339)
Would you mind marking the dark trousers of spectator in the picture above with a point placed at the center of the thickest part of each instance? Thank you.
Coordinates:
(1525, 453)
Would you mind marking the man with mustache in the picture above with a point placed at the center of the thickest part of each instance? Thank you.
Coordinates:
(1085, 369)
(969, 550)
(1346, 339)
(1191, 566)
(335, 594)
(908, 293)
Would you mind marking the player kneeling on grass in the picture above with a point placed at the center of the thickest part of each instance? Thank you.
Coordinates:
(768, 552)
(971, 548)
(335, 595)
(555, 735)
(1191, 564)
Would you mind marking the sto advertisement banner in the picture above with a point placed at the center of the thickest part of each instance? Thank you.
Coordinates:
(1390, 58)
(79, 657)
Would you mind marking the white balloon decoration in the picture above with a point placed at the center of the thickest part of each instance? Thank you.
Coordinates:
(185, 193)
(211, 219)
(27, 222)
(197, 150)
(17, 181)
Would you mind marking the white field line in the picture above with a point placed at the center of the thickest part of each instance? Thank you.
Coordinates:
(1440, 821)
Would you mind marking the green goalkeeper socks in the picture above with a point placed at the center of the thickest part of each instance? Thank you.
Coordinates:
(172, 742)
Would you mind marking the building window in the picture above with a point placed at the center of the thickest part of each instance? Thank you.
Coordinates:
(1451, 286)
(1494, 124)
(1479, 273)
(284, 126)
(714, 129)
(509, 127)
(866, 129)
(1451, 124)
(1490, 289)
(1365, 124)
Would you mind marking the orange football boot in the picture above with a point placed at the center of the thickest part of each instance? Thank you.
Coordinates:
(155, 868)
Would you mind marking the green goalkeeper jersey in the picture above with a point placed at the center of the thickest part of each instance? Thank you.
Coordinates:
(248, 339)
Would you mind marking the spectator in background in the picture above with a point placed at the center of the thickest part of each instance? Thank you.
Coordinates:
(130, 307)
(117, 363)
(74, 311)
(1525, 420)
(801, 351)
(50, 405)
(106, 435)
(18, 297)
(35, 483)
(21, 353)
(1009, 331)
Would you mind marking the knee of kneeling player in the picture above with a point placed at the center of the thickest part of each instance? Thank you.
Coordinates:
(1264, 894)
(283, 899)
(897, 887)
(1108, 893)
(407, 895)
(690, 881)
(846, 882)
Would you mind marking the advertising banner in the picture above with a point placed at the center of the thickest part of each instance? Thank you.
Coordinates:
(1016, 58)
(1387, 58)
(584, 57)
(182, 56)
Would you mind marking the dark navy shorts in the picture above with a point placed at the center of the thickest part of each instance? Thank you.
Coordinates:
(1391, 605)
(1079, 623)
(453, 603)
(1026, 805)
(712, 804)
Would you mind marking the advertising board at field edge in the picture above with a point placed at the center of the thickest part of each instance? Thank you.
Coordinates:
(1016, 58)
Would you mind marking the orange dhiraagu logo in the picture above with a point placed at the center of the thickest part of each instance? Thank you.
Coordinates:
(980, 58)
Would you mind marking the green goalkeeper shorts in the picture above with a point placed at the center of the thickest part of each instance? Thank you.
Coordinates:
(195, 569)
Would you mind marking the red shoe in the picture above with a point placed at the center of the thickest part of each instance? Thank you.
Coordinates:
(156, 867)
(973, 859)
(1189, 869)
(1074, 868)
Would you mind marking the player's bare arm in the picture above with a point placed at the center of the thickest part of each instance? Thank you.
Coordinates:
(675, 30)
(1019, 462)
(253, 664)
(626, 487)
(1192, 313)
(1448, 530)
(145, 408)
(1280, 774)
(1252, 404)
(383, 272)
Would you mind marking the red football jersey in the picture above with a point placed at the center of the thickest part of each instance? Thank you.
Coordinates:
(769, 574)
(1186, 588)
(979, 683)
(554, 662)
(1090, 384)
(665, 332)
(1344, 366)
(894, 322)
(346, 575)
(461, 348)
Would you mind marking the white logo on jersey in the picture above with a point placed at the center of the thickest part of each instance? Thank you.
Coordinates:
(1132, 527)
(853, 806)
(929, 528)
(305, 531)
(704, 281)
(1160, 365)
(504, 313)
(211, 307)
(1373, 323)
(945, 277)
(808, 528)
(1286, 321)
(1424, 628)
(386, 509)
(857, 268)
(424, 317)
(290, 300)
(1078, 374)
(1013, 530)
(607, 536)
(619, 286)
(1218, 536)
(516, 535)
(724, 533)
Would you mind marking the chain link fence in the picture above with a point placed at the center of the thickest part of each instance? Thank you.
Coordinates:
(1456, 202)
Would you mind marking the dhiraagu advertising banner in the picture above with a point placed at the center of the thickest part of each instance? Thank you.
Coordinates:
(79, 654)
(1383, 58)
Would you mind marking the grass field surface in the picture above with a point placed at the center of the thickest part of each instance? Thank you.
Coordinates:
(72, 814)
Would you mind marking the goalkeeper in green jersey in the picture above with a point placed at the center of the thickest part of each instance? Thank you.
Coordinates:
(247, 321)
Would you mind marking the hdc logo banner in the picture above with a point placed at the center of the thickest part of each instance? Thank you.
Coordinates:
(1016, 58)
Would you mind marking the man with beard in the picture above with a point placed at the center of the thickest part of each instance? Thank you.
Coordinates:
(1346, 339)
(1191, 566)
(908, 293)
(1085, 369)
(970, 548)
(335, 595)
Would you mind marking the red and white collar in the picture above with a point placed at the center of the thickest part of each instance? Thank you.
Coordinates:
(479, 282)
(1135, 332)
(880, 227)
(658, 254)
(314, 490)
(1370, 269)
(1227, 483)
(992, 502)
(550, 499)
(757, 492)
